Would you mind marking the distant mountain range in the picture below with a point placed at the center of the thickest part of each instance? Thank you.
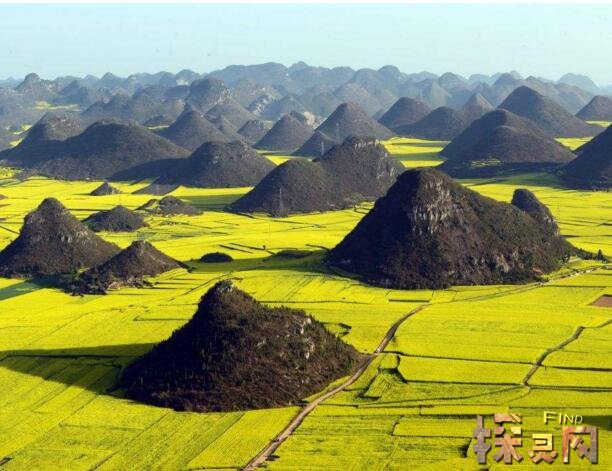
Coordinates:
(269, 91)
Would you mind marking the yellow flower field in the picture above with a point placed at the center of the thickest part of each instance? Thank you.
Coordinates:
(468, 351)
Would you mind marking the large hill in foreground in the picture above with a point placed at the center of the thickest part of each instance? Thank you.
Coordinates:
(237, 354)
(430, 232)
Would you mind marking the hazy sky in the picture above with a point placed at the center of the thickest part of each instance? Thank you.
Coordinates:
(541, 40)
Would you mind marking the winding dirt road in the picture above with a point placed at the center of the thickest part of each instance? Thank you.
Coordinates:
(269, 450)
(263, 456)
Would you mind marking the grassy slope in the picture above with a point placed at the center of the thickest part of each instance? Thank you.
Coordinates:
(60, 353)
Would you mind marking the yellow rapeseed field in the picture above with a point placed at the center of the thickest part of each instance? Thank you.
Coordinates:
(470, 350)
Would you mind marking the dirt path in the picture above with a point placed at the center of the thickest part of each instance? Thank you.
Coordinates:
(564, 343)
(263, 456)
(269, 450)
(542, 357)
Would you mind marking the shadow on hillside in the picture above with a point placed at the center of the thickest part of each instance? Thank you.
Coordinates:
(92, 368)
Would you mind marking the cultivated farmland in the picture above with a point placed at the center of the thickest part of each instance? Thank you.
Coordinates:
(464, 351)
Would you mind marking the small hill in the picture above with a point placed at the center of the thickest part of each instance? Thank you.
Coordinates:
(219, 165)
(254, 129)
(526, 201)
(476, 106)
(105, 189)
(442, 124)
(6, 137)
(359, 169)
(547, 114)
(127, 268)
(317, 145)
(598, 109)
(77, 94)
(430, 232)
(42, 139)
(52, 242)
(117, 219)
(140, 108)
(105, 148)
(306, 117)
(157, 189)
(36, 89)
(53, 127)
(580, 81)
(227, 128)
(237, 354)
(191, 130)
(169, 206)
(501, 142)
(275, 109)
(231, 110)
(349, 119)
(159, 121)
(288, 134)
(434, 95)
(404, 111)
(216, 257)
(206, 93)
(592, 168)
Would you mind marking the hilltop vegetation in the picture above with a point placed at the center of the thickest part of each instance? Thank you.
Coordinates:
(429, 231)
(288, 134)
(117, 219)
(593, 166)
(100, 151)
(64, 363)
(53, 242)
(63, 354)
(218, 165)
(501, 142)
(352, 172)
(127, 268)
(237, 354)
(548, 115)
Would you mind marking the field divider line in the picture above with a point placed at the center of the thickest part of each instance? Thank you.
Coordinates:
(564, 343)
(265, 454)
(548, 351)
(9, 230)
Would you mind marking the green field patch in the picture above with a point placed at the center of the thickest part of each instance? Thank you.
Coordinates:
(461, 371)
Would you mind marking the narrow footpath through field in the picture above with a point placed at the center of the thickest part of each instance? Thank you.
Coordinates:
(269, 450)
(263, 456)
